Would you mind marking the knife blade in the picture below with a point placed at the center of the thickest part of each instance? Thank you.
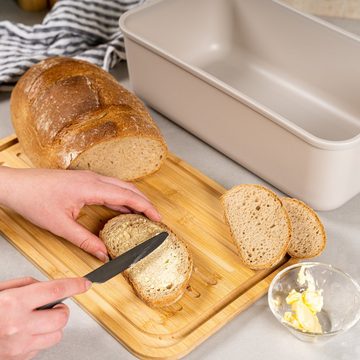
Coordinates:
(122, 262)
(119, 264)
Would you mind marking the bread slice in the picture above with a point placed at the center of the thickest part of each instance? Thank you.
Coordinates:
(308, 234)
(259, 224)
(161, 278)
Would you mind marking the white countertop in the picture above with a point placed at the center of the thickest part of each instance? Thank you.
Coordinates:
(254, 334)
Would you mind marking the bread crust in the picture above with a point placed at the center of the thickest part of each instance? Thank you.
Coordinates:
(285, 246)
(62, 107)
(165, 300)
(319, 223)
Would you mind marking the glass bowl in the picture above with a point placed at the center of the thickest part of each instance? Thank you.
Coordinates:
(341, 295)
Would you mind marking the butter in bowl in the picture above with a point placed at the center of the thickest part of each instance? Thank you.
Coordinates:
(315, 301)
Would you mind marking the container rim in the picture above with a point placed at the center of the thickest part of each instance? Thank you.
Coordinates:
(296, 130)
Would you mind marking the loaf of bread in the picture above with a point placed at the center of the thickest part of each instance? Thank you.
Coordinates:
(308, 237)
(159, 279)
(259, 224)
(71, 114)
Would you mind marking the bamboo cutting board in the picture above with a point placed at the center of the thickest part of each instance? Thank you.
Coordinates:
(220, 287)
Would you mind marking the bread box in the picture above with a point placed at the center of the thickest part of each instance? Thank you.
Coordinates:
(272, 88)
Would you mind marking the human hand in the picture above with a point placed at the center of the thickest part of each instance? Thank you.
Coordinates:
(52, 199)
(24, 331)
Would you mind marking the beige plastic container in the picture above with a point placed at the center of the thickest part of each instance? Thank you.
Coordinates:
(275, 90)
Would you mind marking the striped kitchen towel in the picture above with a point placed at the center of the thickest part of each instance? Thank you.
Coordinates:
(85, 29)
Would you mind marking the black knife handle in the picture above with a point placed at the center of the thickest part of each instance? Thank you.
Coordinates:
(51, 305)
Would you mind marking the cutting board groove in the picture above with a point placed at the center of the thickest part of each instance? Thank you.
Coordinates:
(220, 287)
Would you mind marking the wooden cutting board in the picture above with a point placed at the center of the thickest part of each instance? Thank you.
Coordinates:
(220, 287)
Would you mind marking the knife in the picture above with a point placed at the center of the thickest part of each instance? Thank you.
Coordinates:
(118, 265)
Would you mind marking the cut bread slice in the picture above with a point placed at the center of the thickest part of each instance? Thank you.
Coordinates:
(308, 234)
(259, 225)
(161, 278)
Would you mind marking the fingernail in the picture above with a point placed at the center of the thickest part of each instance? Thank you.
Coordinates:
(61, 306)
(102, 256)
(88, 284)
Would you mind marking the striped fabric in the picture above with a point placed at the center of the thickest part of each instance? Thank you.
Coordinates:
(84, 29)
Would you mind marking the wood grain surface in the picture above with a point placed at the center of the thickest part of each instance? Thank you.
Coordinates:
(220, 287)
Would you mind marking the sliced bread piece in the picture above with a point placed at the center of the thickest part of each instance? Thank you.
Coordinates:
(161, 278)
(259, 224)
(308, 234)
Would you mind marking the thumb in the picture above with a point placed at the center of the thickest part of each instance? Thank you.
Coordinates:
(84, 239)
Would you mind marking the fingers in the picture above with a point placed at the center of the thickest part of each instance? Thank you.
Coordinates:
(43, 293)
(48, 321)
(122, 209)
(45, 341)
(112, 195)
(123, 184)
(140, 204)
(83, 238)
(30, 356)
(15, 283)
(120, 195)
